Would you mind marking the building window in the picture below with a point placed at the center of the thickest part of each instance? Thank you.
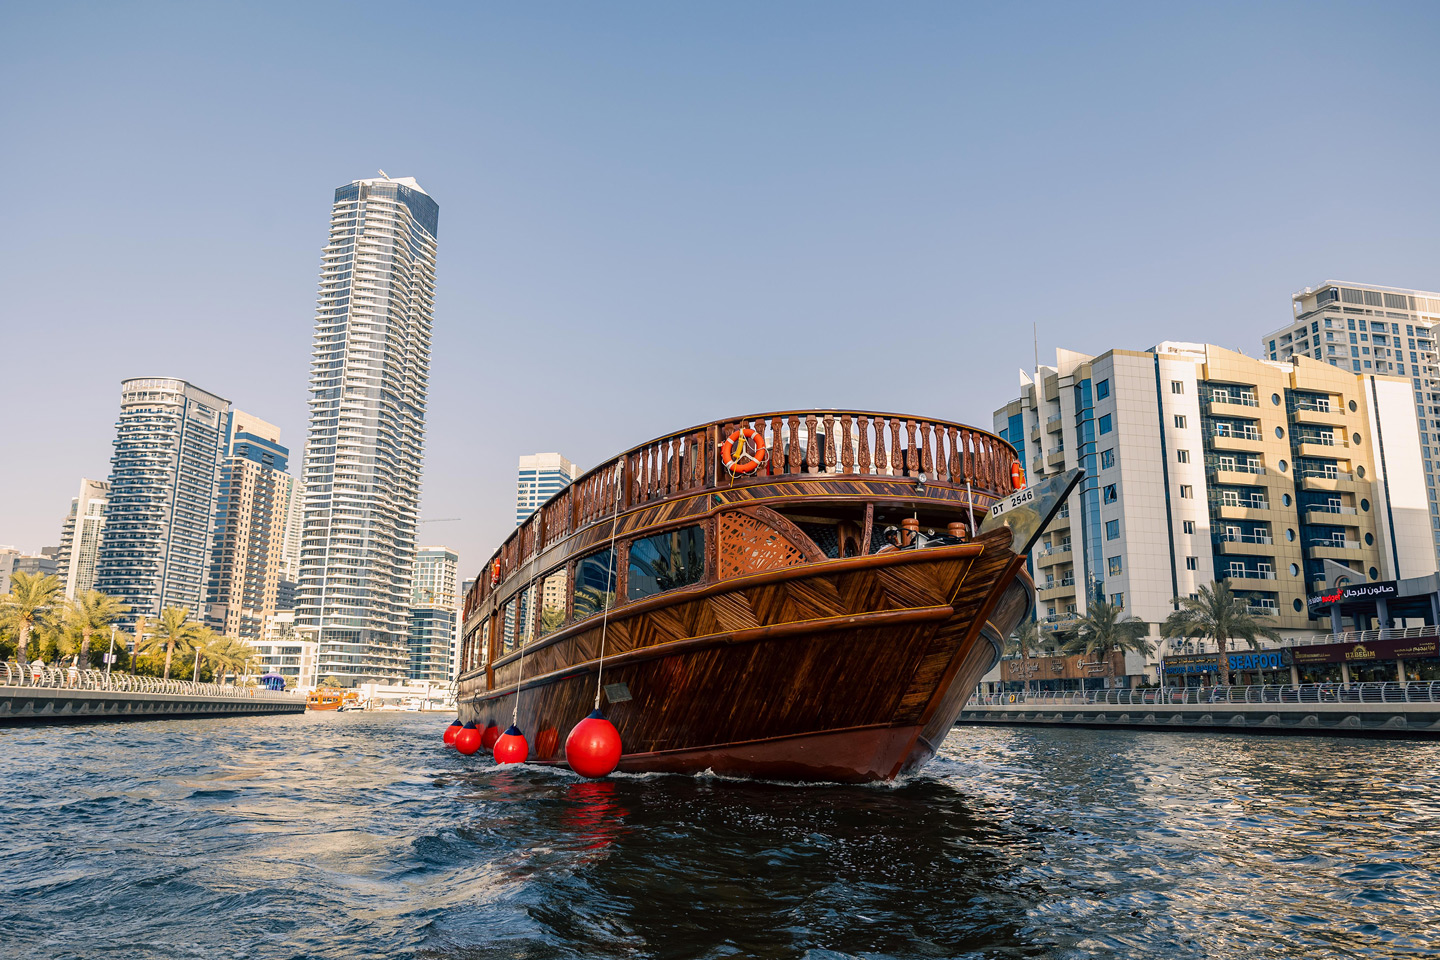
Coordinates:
(1179, 421)
(1189, 526)
(1105, 425)
(1102, 389)
(1177, 386)
(1186, 491)
(1112, 529)
(1110, 495)
(1183, 456)
(1192, 563)
(1113, 565)
(1117, 599)
(1107, 458)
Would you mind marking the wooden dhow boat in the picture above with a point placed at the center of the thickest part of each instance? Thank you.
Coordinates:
(801, 595)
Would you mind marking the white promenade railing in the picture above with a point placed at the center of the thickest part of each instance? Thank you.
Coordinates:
(60, 678)
(1422, 691)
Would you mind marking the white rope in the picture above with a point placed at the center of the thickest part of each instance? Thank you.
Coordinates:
(970, 496)
(533, 616)
(609, 571)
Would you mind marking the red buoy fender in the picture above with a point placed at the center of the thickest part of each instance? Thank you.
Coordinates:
(593, 747)
(451, 730)
(512, 746)
(467, 741)
(489, 736)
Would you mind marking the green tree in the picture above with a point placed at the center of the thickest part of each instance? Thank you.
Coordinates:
(1025, 641)
(230, 656)
(1106, 629)
(32, 601)
(90, 613)
(1215, 613)
(174, 632)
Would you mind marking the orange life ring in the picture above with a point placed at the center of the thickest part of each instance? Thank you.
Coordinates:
(743, 452)
(495, 573)
(1017, 475)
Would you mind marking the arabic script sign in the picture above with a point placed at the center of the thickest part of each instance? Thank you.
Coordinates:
(1352, 593)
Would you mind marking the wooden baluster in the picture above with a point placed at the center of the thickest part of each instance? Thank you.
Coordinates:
(897, 456)
(792, 464)
(912, 452)
(847, 452)
(812, 452)
(987, 461)
(777, 449)
(954, 461)
(829, 443)
(879, 445)
(927, 441)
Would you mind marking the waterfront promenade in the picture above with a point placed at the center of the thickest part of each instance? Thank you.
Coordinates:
(57, 696)
(1375, 709)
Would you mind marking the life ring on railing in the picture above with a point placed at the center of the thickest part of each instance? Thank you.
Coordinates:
(1017, 475)
(495, 573)
(743, 452)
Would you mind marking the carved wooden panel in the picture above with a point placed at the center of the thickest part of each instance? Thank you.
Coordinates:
(749, 545)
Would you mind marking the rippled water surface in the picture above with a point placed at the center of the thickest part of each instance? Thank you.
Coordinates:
(350, 835)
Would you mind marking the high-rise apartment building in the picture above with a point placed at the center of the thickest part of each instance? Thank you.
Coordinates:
(164, 479)
(1202, 464)
(540, 477)
(80, 538)
(434, 609)
(250, 515)
(368, 381)
(1371, 329)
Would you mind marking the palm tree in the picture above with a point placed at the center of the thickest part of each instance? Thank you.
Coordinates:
(30, 603)
(91, 612)
(201, 639)
(175, 631)
(230, 656)
(1216, 613)
(1025, 640)
(1105, 629)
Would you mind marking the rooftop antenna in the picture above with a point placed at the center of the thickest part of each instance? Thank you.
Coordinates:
(384, 174)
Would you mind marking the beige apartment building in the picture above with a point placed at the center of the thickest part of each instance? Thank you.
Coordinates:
(1203, 464)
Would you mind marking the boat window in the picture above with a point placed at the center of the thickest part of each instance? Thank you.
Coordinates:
(552, 601)
(484, 657)
(508, 632)
(595, 579)
(666, 562)
(525, 616)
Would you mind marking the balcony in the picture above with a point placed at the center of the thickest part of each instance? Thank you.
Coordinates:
(1050, 556)
(1316, 447)
(1329, 515)
(1325, 480)
(1055, 458)
(1336, 550)
(1244, 440)
(1061, 522)
(1055, 424)
(1245, 545)
(1054, 590)
(1252, 580)
(1241, 474)
(1324, 415)
(1234, 405)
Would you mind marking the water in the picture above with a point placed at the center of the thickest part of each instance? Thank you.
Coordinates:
(357, 835)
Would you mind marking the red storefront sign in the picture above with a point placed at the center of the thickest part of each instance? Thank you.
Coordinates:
(1405, 648)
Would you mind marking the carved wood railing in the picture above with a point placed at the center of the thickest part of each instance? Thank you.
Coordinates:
(797, 444)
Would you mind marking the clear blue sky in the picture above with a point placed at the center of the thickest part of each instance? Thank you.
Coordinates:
(655, 214)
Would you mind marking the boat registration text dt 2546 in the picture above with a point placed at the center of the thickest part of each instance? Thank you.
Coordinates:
(1013, 501)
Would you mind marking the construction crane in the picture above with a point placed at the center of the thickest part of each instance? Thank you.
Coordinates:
(442, 520)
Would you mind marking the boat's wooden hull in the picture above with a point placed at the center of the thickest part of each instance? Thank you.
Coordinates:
(846, 670)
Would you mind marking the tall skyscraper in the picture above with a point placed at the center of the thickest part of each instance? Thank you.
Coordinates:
(80, 538)
(250, 515)
(540, 477)
(434, 608)
(368, 382)
(1203, 464)
(1365, 328)
(164, 478)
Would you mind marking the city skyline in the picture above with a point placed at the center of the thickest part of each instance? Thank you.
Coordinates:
(893, 178)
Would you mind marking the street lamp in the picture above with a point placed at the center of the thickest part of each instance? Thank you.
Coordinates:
(110, 657)
(198, 648)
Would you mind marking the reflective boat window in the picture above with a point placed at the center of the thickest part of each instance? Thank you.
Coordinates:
(595, 579)
(508, 630)
(552, 601)
(665, 562)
